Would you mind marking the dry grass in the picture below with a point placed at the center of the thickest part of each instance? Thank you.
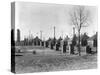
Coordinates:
(50, 60)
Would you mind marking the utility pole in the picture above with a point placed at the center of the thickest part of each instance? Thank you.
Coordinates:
(18, 35)
(54, 31)
(54, 36)
(73, 31)
(62, 34)
(29, 35)
(41, 34)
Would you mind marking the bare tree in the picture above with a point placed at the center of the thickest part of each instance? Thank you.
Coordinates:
(79, 17)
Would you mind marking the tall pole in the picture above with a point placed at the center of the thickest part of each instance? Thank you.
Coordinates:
(62, 34)
(41, 35)
(54, 31)
(18, 35)
(73, 31)
(54, 35)
(29, 34)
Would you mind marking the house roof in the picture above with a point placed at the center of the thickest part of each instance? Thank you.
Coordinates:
(85, 36)
(36, 38)
(93, 37)
(59, 39)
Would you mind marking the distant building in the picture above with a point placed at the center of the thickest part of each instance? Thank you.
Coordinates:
(59, 39)
(18, 35)
(67, 40)
(84, 39)
(37, 41)
(92, 39)
(49, 39)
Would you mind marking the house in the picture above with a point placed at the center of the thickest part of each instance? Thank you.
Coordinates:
(37, 41)
(67, 40)
(92, 40)
(83, 39)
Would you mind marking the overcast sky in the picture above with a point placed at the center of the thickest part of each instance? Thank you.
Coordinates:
(31, 18)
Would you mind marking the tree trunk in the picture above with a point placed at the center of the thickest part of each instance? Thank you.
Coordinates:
(79, 49)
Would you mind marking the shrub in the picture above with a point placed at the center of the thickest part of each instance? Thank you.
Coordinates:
(34, 52)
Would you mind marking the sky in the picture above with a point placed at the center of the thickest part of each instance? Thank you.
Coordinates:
(31, 18)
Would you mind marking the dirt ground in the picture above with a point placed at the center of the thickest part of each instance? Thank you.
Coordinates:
(46, 60)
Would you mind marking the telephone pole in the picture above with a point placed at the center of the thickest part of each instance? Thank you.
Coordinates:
(54, 31)
(54, 36)
(41, 34)
(62, 34)
(73, 31)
